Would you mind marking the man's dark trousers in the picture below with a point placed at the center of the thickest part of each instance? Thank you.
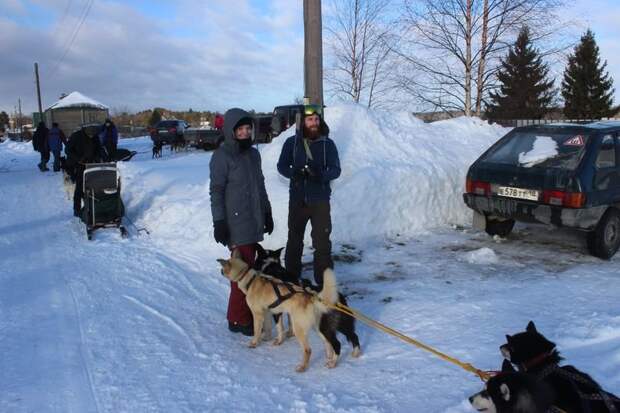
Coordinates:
(320, 218)
(79, 189)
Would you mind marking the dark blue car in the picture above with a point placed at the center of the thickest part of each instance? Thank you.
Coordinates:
(567, 175)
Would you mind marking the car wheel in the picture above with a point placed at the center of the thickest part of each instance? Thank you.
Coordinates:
(606, 237)
(497, 227)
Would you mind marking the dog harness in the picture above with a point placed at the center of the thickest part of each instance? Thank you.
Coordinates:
(598, 393)
(281, 298)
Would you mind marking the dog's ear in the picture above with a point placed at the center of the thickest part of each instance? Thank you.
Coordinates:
(507, 367)
(279, 252)
(236, 253)
(531, 328)
(260, 250)
(508, 338)
(505, 390)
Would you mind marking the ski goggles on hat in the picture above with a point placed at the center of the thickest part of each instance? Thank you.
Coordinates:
(313, 109)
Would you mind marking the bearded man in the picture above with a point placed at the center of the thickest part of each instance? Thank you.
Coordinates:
(310, 160)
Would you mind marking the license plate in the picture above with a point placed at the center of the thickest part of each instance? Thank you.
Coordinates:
(163, 131)
(529, 194)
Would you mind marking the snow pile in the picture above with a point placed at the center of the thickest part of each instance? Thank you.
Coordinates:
(544, 148)
(400, 176)
(482, 256)
(10, 148)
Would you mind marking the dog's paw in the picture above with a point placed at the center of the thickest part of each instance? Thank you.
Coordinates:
(301, 368)
(253, 344)
(330, 364)
(356, 352)
(277, 342)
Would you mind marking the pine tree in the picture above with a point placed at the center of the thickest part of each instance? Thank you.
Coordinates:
(587, 89)
(155, 117)
(524, 90)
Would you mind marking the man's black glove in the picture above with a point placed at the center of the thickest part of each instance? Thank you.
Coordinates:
(315, 172)
(299, 174)
(220, 232)
(268, 223)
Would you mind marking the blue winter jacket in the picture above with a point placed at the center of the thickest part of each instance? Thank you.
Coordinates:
(324, 167)
(55, 139)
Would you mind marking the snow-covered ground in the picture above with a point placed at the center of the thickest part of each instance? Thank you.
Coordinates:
(138, 324)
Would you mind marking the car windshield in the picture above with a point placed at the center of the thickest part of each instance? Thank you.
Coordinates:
(540, 149)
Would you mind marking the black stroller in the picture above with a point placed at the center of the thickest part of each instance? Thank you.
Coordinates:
(103, 206)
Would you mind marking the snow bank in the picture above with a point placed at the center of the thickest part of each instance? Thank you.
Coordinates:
(399, 176)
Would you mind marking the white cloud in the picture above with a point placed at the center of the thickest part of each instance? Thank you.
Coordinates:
(218, 56)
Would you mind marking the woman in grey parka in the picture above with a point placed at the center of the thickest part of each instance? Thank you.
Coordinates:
(239, 204)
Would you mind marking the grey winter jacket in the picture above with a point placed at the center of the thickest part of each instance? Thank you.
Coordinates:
(237, 186)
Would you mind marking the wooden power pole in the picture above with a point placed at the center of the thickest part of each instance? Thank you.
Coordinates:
(36, 75)
(313, 53)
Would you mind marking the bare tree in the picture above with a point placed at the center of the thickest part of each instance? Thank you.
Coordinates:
(121, 115)
(359, 40)
(454, 45)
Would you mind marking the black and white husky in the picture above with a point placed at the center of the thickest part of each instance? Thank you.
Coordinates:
(572, 390)
(513, 392)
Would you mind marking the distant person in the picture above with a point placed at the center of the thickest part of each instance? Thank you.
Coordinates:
(310, 160)
(218, 122)
(108, 139)
(83, 148)
(55, 140)
(39, 143)
(239, 205)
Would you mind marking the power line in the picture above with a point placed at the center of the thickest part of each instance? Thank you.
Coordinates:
(73, 37)
(62, 18)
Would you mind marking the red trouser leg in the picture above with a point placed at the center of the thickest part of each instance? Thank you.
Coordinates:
(238, 310)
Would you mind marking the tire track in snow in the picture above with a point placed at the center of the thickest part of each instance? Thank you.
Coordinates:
(168, 320)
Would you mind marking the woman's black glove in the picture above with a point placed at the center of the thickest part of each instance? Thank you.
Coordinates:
(220, 232)
(268, 223)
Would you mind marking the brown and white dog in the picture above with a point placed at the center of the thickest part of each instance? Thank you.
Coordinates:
(266, 294)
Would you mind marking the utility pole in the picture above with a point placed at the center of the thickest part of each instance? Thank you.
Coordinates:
(313, 53)
(36, 75)
(19, 119)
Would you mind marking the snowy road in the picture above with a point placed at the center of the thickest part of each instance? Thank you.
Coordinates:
(138, 324)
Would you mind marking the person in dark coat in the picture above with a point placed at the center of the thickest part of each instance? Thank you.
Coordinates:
(239, 204)
(310, 160)
(55, 141)
(39, 143)
(108, 139)
(82, 148)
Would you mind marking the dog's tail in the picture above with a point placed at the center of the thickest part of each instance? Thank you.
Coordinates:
(329, 293)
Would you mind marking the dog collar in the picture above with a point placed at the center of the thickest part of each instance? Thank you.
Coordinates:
(536, 360)
(243, 274)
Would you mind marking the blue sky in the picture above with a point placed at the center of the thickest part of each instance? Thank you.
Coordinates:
(203, 54)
